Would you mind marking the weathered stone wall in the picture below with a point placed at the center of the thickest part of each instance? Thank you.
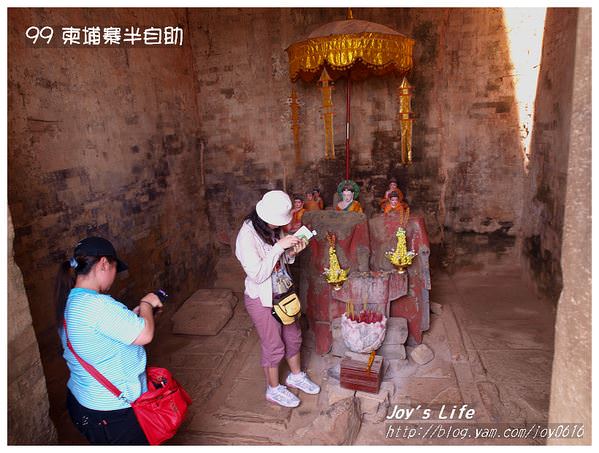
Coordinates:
(468, 169)
(481, 160)
(28, 406)
(105, 141)
(545, 185)
(571, 392)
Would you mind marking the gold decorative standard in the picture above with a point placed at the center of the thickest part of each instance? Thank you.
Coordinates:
(327, 114)
(334, 275)
(400, 257)
(294, 104)
(404, 95)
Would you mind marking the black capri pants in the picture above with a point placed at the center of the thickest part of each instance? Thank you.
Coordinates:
(118, 427)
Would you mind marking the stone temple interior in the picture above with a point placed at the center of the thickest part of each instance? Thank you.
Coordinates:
(165, 149)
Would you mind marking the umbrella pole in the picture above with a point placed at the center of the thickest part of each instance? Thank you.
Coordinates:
(347, 122)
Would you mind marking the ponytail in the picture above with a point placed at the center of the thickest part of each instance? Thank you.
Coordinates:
(65, 280)
(67, 277)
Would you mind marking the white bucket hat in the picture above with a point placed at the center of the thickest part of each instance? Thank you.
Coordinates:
(275, 208)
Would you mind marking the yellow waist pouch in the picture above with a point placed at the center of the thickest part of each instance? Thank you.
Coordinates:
(286, 309)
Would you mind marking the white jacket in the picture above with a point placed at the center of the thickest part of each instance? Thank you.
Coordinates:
(258, 260)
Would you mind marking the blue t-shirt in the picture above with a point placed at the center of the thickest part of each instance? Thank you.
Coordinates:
(101, 331)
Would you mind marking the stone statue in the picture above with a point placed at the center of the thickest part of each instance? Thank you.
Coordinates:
(395, 203)
(311, 204)
(317, 197)
(348, 192)
(392, 188)
(297, 213)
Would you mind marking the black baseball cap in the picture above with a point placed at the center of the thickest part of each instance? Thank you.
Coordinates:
(97, 246)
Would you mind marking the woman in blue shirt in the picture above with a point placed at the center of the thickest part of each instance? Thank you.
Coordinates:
(108, 336)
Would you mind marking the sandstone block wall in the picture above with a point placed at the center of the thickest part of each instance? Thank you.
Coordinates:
(571, 390)
(468, 168)
(545, 184)
(28, 406)
(105, 141)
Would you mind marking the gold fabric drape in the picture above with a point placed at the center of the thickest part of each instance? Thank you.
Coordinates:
(365, 54)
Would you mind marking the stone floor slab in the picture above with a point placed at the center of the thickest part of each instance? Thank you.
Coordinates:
(247, 403)
(428, 390)
(241, 319)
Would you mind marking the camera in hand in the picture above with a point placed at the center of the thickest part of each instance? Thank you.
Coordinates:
(162, 295)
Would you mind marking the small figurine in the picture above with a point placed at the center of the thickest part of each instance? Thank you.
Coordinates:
(296, 215)
(392, 188)
(311, 204)
(348, 191)
(396, 203)
(317, 197)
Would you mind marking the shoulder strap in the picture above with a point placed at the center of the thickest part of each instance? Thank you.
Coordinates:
(283, 262)
(90, 369)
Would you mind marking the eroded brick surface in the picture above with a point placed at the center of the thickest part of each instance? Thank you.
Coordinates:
(546, 182)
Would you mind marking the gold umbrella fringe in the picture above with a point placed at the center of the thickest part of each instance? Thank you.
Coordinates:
(375, 50)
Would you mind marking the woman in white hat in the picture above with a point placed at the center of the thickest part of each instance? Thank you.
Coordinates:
(264, 252)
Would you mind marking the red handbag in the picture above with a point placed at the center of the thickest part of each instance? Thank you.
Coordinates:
(160, 411)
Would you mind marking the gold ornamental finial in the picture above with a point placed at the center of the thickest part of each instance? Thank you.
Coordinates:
(334, 274)
(349, 14)
(400, 257)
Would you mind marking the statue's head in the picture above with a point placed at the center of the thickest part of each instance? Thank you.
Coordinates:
(348, 193)
(350, 186)
(298, 201)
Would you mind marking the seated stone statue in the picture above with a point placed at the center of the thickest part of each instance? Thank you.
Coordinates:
(348, 192)
(311, 204)
(297, 213)
(317, 197)
(395, 203)
(392, 188)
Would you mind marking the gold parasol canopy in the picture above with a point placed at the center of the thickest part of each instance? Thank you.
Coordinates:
(350, 48)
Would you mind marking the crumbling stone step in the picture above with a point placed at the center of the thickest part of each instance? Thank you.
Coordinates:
(338, 424)
(253, 417)
(193, 437)
(246, 402)
(205, 312)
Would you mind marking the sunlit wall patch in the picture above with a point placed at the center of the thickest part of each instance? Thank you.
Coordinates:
(525, 27)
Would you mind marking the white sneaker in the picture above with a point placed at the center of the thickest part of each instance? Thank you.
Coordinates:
(302, 381)
(280, 395)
